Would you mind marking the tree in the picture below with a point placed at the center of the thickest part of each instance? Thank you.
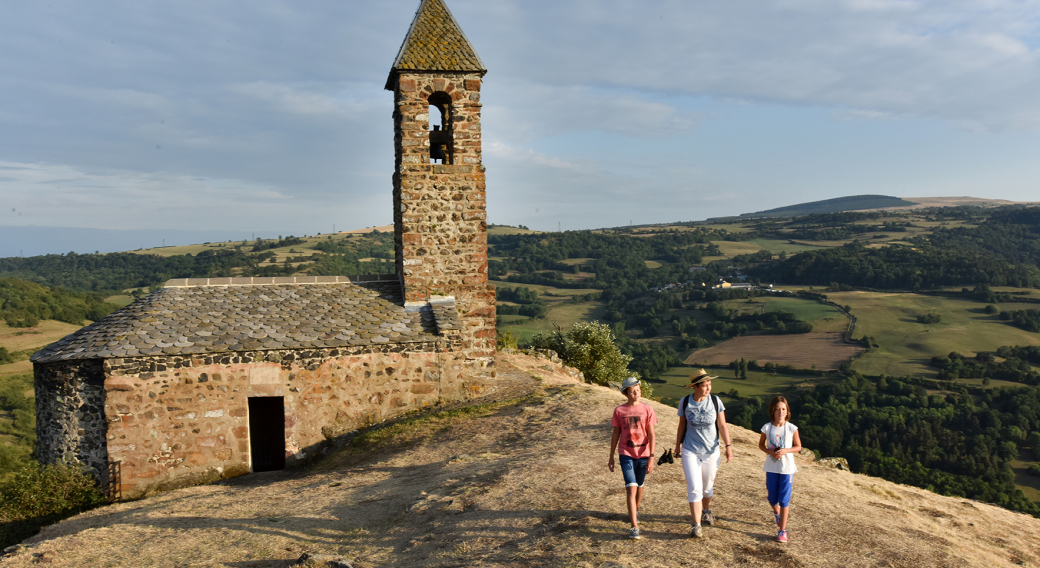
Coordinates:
(590, 347)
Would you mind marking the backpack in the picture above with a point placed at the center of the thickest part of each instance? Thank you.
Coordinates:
(714, 402)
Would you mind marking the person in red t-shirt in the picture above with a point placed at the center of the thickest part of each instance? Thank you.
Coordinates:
(634, 441)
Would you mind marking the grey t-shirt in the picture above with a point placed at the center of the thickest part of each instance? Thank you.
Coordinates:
(701, 430)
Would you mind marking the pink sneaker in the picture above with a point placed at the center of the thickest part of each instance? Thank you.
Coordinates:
(781, 536)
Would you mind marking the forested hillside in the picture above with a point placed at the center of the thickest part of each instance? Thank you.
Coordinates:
(24, 304)
(116, 272)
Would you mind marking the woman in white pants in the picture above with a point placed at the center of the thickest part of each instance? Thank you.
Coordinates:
(702, 426)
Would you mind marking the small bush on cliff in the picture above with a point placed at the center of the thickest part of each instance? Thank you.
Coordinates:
(506, 340)
(590, 347)
(36, 495)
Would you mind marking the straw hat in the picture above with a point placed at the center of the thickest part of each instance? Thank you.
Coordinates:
(699, 377)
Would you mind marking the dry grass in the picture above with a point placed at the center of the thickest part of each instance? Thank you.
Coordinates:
(526, 484)
(23, 339)
(803, 350)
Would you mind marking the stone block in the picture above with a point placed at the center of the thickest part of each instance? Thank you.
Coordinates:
(121, 384)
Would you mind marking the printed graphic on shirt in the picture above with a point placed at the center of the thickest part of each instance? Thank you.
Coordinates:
(777, 441)
(635, 432)
(700, 415)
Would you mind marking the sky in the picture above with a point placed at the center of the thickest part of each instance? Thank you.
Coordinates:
(203, 119)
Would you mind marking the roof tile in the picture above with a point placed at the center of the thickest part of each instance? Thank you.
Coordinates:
(435, 42)
(262, 315)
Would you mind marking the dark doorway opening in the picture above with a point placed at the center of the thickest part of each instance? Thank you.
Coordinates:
(267, 433)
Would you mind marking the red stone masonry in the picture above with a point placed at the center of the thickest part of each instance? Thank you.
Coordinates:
(440, 219)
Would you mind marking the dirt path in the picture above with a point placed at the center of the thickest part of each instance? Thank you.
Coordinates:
(527, 485)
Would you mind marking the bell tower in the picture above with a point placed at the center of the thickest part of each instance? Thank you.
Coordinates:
(440, 219)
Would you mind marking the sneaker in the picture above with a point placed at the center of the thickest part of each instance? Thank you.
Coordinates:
(776, 517)
(781, 536)
(696, 532)
(707, 519)
(634, 533)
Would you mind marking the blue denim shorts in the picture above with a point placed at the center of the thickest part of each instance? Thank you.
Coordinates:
(634, 470)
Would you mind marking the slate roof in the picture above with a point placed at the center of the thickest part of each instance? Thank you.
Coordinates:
(435, 42)
(219, 315)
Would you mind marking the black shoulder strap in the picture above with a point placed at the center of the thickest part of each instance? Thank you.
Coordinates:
(715, 402)
(685, 403)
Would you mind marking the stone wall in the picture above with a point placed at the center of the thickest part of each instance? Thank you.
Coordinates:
(440, 219)
(179, 420)
(70, 424)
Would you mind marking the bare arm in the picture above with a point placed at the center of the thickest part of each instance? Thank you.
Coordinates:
(762, 444)
(796, 446)
(724, 434)
(613, 446)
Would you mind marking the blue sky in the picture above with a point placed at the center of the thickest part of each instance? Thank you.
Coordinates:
(269, 116)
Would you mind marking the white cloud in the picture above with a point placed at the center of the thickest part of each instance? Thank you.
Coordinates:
(304, 101)
(959, 60)
(45, 194)
(540, 110)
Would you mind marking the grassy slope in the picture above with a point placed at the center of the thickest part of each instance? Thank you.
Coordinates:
(821, 316)
(23, 342)
(758, 383)
(906, 346)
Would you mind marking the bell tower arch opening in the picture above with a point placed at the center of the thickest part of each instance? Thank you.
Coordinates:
(441, 135)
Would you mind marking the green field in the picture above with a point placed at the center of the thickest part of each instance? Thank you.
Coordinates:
(733, 248)
(1027, 482)
(573, 261)
(507, 230)
(560, 312)
(775, 246)
(758, 383)
(563, 315)
(821, 316)
(121, 300)
(547, 293)
(906, 347)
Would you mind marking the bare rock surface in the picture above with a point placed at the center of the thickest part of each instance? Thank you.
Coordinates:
(525, 483)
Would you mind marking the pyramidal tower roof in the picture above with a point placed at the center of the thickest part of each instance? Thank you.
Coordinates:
(435, 42)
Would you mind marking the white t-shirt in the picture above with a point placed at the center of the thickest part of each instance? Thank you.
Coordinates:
(779, 437)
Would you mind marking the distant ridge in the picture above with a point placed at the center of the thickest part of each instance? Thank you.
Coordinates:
(838, 204)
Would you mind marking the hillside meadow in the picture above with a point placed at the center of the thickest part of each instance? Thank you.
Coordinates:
(905, 346)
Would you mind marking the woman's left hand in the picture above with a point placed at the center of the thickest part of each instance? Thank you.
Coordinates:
(729, 454)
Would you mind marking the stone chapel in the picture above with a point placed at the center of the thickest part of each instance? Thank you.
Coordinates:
(210, 378)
